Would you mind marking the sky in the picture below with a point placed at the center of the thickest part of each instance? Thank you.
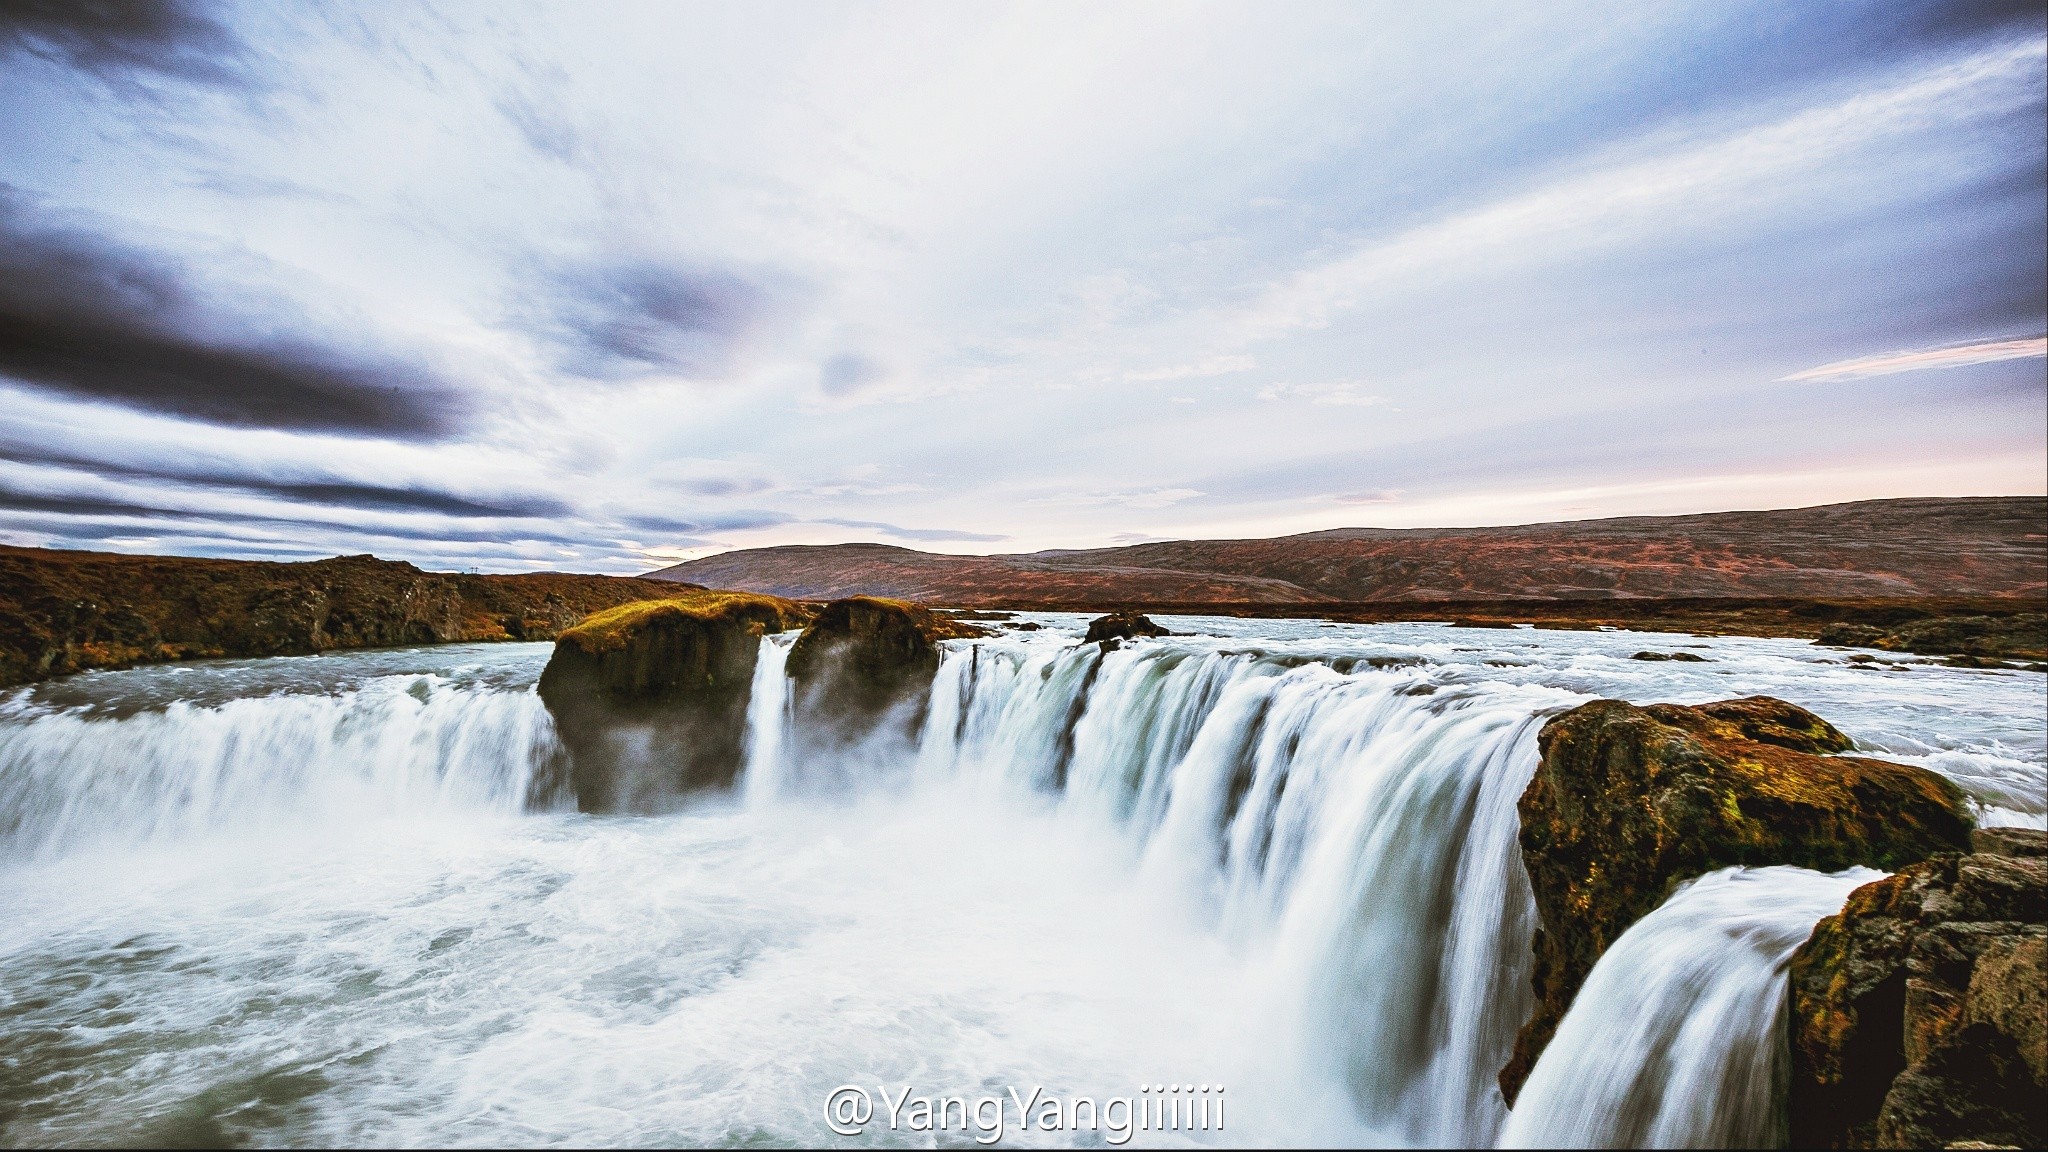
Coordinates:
(600, 287)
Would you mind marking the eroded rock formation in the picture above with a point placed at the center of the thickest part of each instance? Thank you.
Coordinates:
(1920, 1013)
(1628, 802)
(650, 698)
(861, 674)
(1121, 626)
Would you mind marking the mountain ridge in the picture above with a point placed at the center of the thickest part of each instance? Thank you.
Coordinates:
(1928, 546)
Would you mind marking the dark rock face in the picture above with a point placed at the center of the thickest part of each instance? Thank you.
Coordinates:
(650, 698)
(862, 672)
(1687, 657)
(1629, 802)
(1121, 626)
(1920, 1013)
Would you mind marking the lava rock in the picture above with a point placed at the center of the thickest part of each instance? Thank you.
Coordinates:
(650, 698)
(1122, 626)
(1919, 1014)
(1629, 802)
(862, 672)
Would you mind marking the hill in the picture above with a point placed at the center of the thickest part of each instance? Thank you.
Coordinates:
(1980, 546)
(63, 612)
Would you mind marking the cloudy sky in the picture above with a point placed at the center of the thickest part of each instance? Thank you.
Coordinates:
(598, 287)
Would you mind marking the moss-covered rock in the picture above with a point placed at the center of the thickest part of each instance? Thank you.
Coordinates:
(2022, 635)
(1121, 626)
(650, 698)
(1628, 802)
(1920, 1013)
(862, 671)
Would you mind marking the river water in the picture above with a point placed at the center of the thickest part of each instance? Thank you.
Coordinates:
(322, 899)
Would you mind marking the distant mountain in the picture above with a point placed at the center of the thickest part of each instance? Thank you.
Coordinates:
(1980, 546)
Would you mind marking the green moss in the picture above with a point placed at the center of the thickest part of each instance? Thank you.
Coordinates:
(1630, 802)
(609, 630)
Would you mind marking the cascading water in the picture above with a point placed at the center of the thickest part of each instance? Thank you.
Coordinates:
(1281, 854)
(1358, 830)
(1677, 1039)
(768, 720)
(69, 779)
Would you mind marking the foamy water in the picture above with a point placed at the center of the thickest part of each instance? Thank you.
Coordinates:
(330, 900)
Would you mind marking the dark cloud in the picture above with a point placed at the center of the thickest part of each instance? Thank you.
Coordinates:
(14, 498)
(118, 39)
(87, 317)
(329, 492)
(731, 522)
(632, 317)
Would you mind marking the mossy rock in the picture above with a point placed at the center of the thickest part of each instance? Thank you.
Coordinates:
(862, 671)
(1629, 802)
(650, 697)
(1919, 1013)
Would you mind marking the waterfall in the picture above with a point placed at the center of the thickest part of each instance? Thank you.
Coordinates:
(1678, 1039)
(70, 778)
(768, 719)
(1345, 825)
(1358, 828)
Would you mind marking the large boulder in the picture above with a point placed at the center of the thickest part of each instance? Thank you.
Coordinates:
(1121, 626)
(1629, 802)
(650, 698)
(861, 676)
(1919, 1015)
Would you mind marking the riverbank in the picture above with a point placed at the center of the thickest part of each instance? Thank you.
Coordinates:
(65, 612)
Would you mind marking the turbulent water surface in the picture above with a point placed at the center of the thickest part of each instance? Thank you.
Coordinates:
(324, 899)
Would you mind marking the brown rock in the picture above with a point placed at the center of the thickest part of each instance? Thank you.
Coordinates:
(1121, 626)
(1918, 1012)
(650, 698)
(1629, 802)
(862, 671)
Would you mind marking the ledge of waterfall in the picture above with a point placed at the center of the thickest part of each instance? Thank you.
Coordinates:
(1629, 802)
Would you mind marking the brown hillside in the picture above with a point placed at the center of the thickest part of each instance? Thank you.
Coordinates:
(63, 612)
(1989, 546)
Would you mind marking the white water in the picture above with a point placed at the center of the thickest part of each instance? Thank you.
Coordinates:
(768, 720)
(1678, 1039)
(1253, 858)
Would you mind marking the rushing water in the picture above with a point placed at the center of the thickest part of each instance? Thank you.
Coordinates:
(327, 899)
(1678, 1038)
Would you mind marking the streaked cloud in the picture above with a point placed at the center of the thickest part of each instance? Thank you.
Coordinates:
(1887, 363)
(560, 286)
(89, 316)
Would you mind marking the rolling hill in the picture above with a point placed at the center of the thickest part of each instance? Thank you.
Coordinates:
(1978, 546)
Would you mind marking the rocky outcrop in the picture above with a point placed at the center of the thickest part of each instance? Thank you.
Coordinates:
(65, 612)
(861, 673)
(1919, 1015)
(650, 698)
(1121, 626)
(1975, 637)
(1628, 802)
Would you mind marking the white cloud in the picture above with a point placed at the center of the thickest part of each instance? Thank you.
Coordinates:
(1348, 393)
(1887, 363)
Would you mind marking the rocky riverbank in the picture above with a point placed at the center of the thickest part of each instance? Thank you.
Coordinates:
(64, 612)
